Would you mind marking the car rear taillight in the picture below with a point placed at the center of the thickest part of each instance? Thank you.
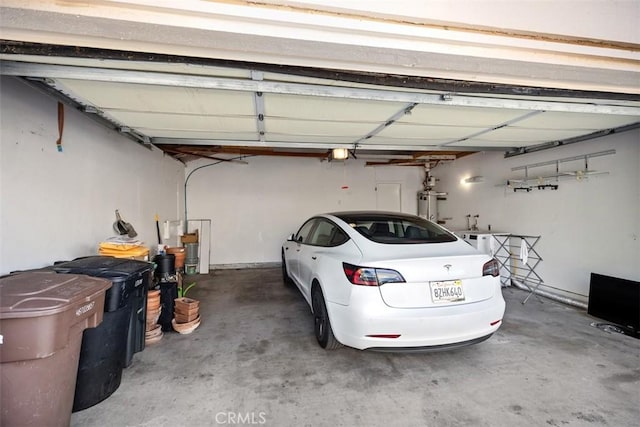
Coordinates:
(491, 268)
(366, 276)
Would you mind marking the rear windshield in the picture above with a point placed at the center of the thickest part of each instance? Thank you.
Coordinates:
(397, 229)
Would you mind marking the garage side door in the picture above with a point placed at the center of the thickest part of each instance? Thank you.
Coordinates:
(388, 197)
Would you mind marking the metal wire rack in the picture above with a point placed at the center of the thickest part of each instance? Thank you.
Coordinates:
(518, 259)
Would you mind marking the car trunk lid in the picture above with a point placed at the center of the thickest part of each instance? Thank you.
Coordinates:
(452, 277)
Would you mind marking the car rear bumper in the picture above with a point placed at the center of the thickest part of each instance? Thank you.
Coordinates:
(418, 328)
(432, 348)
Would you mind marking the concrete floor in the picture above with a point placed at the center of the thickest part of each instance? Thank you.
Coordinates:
(254, 360)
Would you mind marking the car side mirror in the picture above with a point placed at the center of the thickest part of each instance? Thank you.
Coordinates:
(292, 238)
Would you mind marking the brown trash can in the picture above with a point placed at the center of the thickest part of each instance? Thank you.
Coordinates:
(42, 317)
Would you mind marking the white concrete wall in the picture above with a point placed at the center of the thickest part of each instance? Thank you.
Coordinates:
(586, 226)
(57, 206)
(255, 207)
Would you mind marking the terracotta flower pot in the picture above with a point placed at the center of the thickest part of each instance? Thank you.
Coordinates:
(186, 312)
(153, 305)
(153, 316)
(185, 328)
(185, 318)
(179, 253)
(154, 339)
(154, 331)
(186, 303)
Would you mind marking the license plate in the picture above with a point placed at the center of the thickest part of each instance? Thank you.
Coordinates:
(447, 291)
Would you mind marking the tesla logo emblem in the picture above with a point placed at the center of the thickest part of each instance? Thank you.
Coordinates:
(448, 267)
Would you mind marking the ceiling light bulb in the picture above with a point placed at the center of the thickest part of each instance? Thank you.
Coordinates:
(340, 153)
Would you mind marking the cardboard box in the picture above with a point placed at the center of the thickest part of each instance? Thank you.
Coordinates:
(189, 238)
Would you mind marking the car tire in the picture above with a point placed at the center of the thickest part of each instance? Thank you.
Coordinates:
(321, 323)
(285, 273)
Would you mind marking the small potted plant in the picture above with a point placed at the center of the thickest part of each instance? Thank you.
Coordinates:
(186, 315)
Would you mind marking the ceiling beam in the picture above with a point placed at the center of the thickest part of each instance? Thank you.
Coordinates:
(319, 145)
(421, 163)
(442, 155)
(197, 151)
(48, 71)
(188, 152)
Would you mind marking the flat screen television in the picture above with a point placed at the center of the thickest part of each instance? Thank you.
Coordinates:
(617, 301)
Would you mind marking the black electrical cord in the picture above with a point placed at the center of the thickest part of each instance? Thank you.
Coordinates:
(186, 181)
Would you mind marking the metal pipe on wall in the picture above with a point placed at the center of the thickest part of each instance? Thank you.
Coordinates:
(551, 295)
(186, 181)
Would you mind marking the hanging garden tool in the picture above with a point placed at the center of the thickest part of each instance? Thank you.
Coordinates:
(121, 227)
(60, 126)
(158, 230)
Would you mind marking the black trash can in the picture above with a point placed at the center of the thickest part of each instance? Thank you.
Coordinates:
(168, 294)
(135, 276)
(102, 357)
(108, 349)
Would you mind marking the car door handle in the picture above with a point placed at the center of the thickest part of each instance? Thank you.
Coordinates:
(313, 257)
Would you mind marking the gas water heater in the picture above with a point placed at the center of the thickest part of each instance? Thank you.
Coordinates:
(428, 200)
(428, 205)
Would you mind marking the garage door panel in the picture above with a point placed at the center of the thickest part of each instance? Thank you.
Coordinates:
(514, 133)
(322, 139)
(154, 98)
(460, 116)
(324, 108)
(576, 121)
(400, 130)
(185, 122)
(326, 128)
(193, 113)
(186, 134)
(491, 143)
(400, 142)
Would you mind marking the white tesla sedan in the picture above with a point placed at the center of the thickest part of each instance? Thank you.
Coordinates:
(390, 281)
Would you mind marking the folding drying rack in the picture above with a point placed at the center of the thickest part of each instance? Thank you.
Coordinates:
(513, 267)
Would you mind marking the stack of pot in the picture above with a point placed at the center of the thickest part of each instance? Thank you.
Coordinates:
(153, 332)
(186, 316)
(179, 253)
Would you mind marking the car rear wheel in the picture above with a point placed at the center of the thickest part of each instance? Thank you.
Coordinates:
(285, 274)
(322, 325)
